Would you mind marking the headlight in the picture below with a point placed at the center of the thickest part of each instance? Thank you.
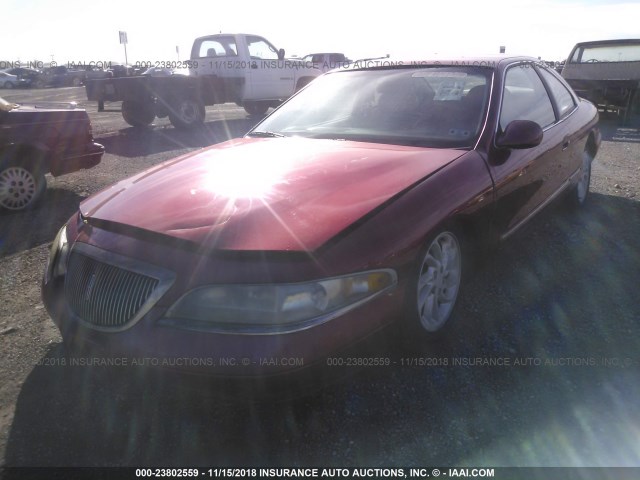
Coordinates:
(57, 263)
(276, 308)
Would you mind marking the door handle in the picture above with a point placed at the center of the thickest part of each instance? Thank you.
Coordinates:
(565, 144)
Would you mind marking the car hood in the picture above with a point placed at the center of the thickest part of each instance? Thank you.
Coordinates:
(265, 194)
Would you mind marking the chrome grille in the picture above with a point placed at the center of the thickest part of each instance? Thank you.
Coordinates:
(106, 295)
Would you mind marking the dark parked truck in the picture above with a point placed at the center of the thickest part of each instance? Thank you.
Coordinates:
(240, 68)
(40, 139)
(606, 72)
(62, 76)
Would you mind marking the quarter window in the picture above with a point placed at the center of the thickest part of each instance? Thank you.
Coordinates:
(525, 98)
(562, 97)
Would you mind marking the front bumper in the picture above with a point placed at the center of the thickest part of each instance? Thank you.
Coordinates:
(148, 343)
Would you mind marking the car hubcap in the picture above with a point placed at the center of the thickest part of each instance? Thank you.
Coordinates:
(189, 112)
(17, 188)
(585, 174)
(439, 281)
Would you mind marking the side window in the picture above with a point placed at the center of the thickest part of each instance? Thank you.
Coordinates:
(563, 99)
(218, 47)
(525, 98)
(260, 49)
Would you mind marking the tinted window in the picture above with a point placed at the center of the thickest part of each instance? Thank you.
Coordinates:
(562, 97)
(525, 98)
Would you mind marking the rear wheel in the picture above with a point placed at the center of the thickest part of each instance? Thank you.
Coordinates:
(138, 114)
(580, 193)
(20, 186)
(256, 108)
(435, 285)
(187, 114)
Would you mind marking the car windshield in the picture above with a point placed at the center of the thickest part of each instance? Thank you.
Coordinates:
(6, 106)
(431, 107)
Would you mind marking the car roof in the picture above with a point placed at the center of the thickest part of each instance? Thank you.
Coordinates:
(621, 41)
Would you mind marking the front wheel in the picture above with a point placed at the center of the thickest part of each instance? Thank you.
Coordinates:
(20, 186)
(435, 285)
(187, 114)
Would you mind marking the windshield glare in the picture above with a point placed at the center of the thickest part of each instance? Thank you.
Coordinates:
(436, 106)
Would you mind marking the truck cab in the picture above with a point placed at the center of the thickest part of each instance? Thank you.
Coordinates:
(267, 74)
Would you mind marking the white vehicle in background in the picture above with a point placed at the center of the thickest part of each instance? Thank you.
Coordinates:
(244, 69)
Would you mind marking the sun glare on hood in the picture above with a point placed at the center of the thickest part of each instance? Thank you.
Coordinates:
(247, 173)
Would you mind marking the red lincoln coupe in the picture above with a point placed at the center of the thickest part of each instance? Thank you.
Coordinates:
(359, 202)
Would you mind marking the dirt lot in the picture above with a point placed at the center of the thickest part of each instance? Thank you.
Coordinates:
(563, 292)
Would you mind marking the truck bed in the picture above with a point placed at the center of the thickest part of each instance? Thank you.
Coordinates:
(208, 89)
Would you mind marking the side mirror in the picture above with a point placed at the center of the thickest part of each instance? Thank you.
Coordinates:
(520, 134)
(281, 54)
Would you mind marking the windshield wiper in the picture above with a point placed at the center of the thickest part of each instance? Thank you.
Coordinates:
(264, 134)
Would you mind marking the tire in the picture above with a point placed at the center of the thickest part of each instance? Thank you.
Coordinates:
(20, 186)
(187, 114)
(138, 114)
(434, 286)
(303, 82)
(8, 85)
(256, 108)
(76, 82)
(579, 194)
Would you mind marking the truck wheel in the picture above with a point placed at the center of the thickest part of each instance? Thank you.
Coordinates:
(21, 186)
(303, 82)
(256, 108)
(138, 114)
(187, 114)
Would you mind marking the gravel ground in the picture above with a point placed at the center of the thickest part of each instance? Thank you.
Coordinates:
(562, 292)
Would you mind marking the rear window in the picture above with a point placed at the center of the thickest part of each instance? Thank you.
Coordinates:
(220, 46)
(606, 53)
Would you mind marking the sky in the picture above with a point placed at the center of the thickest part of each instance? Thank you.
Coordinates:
(83, 31)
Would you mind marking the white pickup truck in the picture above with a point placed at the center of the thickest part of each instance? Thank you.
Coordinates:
(241, 68)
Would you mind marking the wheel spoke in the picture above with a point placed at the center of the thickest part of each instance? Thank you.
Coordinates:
(17, 188)
(438, 282)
